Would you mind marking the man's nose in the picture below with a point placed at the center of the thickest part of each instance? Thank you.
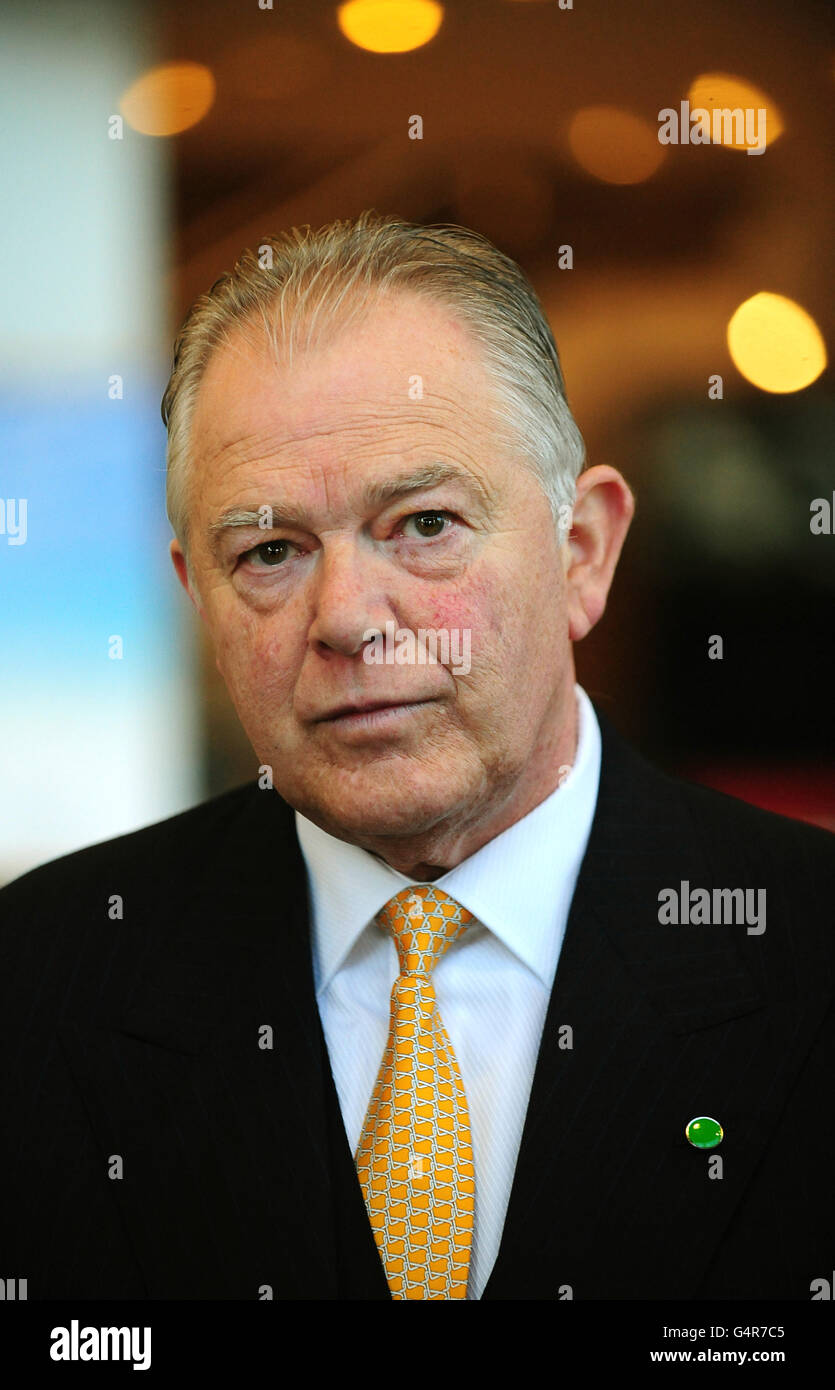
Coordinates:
(349, 597)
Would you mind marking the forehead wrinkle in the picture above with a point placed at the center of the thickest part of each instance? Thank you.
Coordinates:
(395, 406)
(258, 448)
(455, 418)
(270, 439)
(375, 494)
(402, 475)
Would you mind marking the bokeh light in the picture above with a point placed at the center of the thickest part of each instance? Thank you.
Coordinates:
(614, 145)
(390, 26)
(713, 91)
(169, 98)
(775, 344)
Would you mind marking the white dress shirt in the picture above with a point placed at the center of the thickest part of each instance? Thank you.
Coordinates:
(492, 985)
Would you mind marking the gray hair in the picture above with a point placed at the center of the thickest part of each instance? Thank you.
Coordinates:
(302, 283)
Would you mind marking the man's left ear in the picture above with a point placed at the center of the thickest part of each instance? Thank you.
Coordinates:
(603, 510)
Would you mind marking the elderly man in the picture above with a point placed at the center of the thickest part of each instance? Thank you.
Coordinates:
(458, 998)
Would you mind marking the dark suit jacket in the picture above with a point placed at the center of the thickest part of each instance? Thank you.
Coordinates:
(139, 1037)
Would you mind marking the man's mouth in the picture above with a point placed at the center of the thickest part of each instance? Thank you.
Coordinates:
(357, 711)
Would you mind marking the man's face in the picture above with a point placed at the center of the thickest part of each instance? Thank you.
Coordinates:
(324, 443)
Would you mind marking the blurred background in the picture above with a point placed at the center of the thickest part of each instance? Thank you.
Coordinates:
(689, 287)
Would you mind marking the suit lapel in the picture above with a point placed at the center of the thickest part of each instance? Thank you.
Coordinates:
(609, 1198)
(234, 1174)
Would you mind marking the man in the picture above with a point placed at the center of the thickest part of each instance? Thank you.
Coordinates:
(459, 998)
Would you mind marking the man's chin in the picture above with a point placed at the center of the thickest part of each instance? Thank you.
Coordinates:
(360, 810)
(359, 825)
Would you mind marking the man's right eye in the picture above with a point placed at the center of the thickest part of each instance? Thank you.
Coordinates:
(269, 553)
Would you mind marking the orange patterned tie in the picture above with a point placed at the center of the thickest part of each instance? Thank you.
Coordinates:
(414, 1158)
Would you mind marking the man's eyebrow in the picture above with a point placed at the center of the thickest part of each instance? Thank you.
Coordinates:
(430, 475)
(285, 515)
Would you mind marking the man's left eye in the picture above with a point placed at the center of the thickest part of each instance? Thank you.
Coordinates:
(428, 523)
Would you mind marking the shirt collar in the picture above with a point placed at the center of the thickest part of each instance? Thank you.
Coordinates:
(519, 885)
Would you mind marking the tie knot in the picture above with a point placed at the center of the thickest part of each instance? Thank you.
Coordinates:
(423, 922)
